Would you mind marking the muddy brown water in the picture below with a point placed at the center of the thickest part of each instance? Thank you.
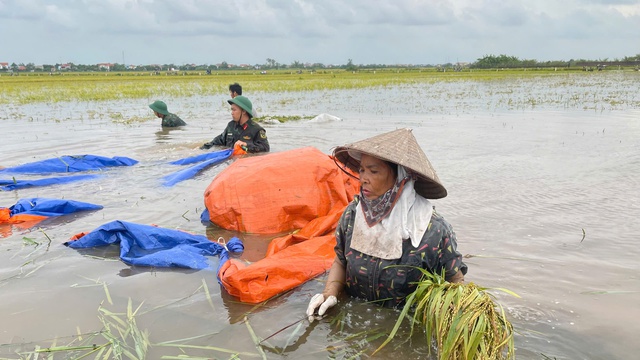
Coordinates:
(524, 181)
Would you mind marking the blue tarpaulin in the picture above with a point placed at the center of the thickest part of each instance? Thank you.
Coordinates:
(207, 159)
(8, 185)
(70, 163)
(220, 155)
(145, 245)
(50, 207)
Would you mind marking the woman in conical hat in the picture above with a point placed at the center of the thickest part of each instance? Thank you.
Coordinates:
(390, 223)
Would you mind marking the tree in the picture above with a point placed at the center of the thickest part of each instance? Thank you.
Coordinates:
(350, 66)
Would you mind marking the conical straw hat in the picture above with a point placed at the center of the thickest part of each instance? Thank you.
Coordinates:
(400, 147)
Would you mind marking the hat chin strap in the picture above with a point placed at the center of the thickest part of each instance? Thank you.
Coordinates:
(241, 116)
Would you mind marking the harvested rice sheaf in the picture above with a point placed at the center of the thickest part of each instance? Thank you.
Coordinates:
(462, 318)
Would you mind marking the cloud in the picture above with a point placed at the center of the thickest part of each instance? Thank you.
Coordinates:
(328, 31)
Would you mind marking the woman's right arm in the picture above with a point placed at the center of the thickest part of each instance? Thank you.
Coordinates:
(335, 280)
(337, 275)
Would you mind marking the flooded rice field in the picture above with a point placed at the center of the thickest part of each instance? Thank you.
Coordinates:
(542, 175)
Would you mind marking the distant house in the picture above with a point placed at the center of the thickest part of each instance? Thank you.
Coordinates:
(4, 66)
(22, 68)
(65, 67)
(38, 67)
(132, 67)
(105, 66)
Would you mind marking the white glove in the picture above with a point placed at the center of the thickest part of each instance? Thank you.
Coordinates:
(318, 302)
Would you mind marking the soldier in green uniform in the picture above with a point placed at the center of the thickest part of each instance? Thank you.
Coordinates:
(168, 119)
(241, 130)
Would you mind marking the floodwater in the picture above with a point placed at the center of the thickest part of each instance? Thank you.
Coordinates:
(542, 174)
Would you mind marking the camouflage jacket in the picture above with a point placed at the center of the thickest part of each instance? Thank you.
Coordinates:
(172, 120)
(251, 133)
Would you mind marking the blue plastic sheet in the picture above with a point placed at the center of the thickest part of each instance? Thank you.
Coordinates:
(145, 245)
(221, 155)
(188, 173)
(70, 163)
(8, 185)
(50, 207)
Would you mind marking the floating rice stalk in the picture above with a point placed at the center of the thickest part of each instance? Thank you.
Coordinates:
(185, 213)
(362, 333)
(48, 238)
(255, 307)
(368, 335)
(64, 162)
(177, 341)
(30, 241)
(602, 292)
(185, 357)
(97, 282)
(173, 302)
(462, 318)
(211, 348)
(206, 291)
(338, 320)
(255, 338)
(295, 332)
(299, 321)
(469, 256)
(107, 294)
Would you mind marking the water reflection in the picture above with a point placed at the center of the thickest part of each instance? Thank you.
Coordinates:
(167, 134)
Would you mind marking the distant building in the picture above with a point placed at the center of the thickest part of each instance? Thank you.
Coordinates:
(4, 66)
(105, 66)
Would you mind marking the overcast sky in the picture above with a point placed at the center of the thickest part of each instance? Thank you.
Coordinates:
(325, 31)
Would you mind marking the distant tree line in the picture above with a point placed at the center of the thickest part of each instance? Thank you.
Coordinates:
(486, 62)
(504, 61)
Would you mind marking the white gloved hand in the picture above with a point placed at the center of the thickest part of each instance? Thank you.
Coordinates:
(319, 302)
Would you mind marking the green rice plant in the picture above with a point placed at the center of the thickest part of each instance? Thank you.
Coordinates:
(462, 318)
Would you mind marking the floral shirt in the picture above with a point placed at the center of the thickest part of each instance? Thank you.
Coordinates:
(372, 279)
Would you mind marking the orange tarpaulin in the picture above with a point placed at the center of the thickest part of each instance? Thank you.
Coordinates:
(29, 219)
(298, 189)
(277, 192)
(291, 260)
(21, 221)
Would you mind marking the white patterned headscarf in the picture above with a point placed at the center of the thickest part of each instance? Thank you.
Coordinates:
(408, 217)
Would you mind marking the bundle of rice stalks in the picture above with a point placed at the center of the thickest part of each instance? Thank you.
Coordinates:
(463, 320)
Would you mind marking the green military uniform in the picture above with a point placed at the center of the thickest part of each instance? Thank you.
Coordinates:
(251, 133)
(172, 120)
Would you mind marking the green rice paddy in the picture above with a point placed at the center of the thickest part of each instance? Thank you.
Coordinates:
(78, 87)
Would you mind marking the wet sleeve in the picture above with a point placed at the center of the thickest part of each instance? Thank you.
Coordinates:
(260, 142)
(218, 140)
(342, 233)
(450, 258)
